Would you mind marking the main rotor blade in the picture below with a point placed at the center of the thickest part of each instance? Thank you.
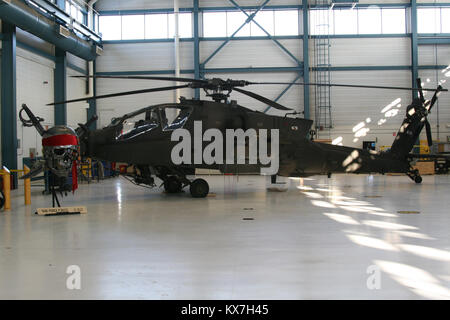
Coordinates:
(419, 85)
(271, 103)
(344, 85)
(428, 131)
(178, 79)
(435, 97)
(202, 81)
(126, 93)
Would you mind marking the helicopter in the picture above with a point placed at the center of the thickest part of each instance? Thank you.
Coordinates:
(144, 139)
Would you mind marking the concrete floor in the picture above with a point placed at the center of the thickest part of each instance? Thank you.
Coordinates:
(318, 240)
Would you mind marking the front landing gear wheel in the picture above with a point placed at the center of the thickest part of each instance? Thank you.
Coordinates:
(173, 185)
(199, 188)
(418, 179)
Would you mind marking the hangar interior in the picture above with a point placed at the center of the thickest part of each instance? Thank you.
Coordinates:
(318, 239)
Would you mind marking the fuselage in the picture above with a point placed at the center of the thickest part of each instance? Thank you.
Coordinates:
(144, 137)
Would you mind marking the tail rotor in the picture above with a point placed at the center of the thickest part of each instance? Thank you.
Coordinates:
(427, 105)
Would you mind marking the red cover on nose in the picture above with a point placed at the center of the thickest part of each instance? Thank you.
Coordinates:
(60, 140)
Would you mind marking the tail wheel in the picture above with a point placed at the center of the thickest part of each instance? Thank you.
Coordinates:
(417, 178)
(173, 185)
(199, 188)
(414, 175)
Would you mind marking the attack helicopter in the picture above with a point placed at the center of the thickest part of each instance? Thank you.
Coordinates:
(144, 138)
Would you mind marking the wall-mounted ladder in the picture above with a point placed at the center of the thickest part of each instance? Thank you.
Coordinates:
(322, 75)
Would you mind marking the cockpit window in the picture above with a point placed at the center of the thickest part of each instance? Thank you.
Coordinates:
(173, 118)
(139, 124)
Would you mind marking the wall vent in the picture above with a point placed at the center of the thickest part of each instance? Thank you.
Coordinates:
(63, 31)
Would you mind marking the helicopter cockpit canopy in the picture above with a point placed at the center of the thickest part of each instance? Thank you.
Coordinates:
(166, 117)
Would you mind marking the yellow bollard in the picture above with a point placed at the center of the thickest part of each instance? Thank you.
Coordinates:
(7, 188)
(27, 186)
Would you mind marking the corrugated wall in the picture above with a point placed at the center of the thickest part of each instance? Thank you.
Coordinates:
(371, 52)
(76, 88)
(251, 53)
(351, 106)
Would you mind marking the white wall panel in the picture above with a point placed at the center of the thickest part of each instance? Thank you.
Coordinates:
(76, 88)
(370, 52)
(76, 61)
(160, 55)
(35, 58)
(427, 55)
(251, 53)
(432, 55)
(442, 106)
(351, 106)
(144, 56)
(35, 88)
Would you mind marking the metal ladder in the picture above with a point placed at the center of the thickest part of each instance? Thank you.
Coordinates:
(322, 74)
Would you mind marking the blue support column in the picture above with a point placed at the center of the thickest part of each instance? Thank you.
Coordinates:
(60, 87)
(92, 111)
(8, 91)
(414, 55)
(93, 103)
(305, 59)
(196, 47)
(414, 47)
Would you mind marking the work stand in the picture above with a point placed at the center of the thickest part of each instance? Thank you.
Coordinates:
(56, 208)
(54, 197)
